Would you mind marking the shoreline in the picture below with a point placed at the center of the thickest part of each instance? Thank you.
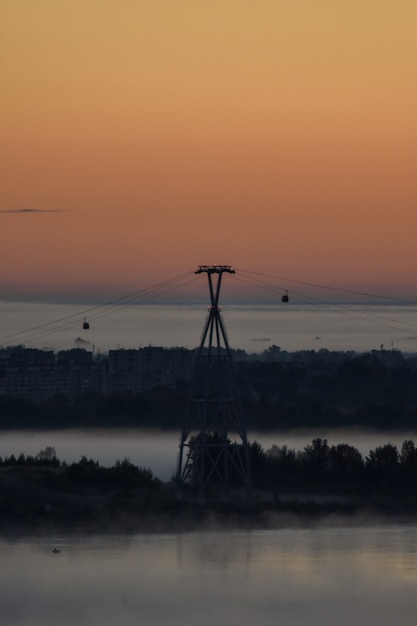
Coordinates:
(129, 514)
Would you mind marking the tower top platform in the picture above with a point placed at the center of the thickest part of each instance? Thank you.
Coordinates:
(215, 269)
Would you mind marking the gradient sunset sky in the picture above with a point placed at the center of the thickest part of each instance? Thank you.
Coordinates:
(142, 138)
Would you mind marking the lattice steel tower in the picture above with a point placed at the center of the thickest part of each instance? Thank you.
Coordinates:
(207, 455)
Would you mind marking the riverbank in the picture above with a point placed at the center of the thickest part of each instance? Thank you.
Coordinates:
(53, 500)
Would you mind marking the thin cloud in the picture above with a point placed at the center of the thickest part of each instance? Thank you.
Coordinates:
(31, 210)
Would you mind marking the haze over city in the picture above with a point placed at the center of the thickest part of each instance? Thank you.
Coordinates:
(140, 139)
(143, 480)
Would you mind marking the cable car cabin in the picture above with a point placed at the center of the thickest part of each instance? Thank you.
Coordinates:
(86, 325)
(285, 297)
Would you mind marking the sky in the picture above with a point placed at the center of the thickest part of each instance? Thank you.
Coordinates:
(142, 138)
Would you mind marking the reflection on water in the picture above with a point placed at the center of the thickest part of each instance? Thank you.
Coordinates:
(292, 577)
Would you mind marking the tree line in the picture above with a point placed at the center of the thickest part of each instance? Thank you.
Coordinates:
(336, 470)
(86, 471)
(316, 469)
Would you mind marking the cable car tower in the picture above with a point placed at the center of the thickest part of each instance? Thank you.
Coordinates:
(207, 455)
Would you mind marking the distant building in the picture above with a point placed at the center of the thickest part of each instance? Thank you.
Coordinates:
(145, 368)
(39, 374)
(27, 372)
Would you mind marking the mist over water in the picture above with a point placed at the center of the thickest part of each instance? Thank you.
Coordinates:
(292, 576)
(295, 577)
(253, 328)
(158, 450)
(153, 449)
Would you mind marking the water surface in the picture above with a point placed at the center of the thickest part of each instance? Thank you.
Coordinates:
(303, 576)
(296, 326)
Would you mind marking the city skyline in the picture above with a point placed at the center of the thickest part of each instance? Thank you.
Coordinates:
(143, 139)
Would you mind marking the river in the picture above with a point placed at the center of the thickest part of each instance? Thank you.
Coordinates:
(254, 328)
(323, 575)
(157, 450)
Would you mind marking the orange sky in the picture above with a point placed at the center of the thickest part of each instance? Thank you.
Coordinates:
(152, 136)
